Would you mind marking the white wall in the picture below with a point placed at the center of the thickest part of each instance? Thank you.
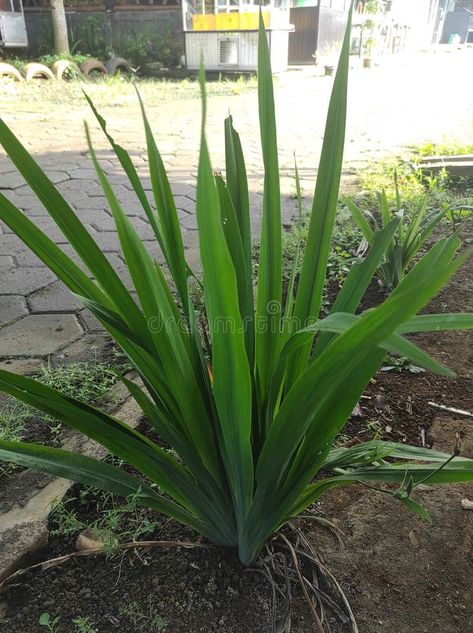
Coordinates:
(420, 16)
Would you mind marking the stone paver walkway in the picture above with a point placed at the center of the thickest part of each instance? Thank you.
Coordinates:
(402, 102)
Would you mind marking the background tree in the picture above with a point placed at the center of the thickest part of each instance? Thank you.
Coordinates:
(61, 39)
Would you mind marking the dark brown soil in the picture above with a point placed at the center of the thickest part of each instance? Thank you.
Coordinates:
(161, 590)
(398, 407)
(400, 575)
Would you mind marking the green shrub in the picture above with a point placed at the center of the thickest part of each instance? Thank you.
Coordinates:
(415, 227)
(253, 414)
(152, 43)
(447, 147)
(87, 37)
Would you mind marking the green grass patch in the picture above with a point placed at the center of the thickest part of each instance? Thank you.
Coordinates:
(117, 90)
(447, 147)
(87, 382)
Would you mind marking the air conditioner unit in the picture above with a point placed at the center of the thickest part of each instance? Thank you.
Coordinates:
(228, 51)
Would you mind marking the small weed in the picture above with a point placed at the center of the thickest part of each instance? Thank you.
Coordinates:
(341, 439)
(459, 213)
(56, 430)
(374, 429)
(399, 364)
(51, 624)
(13, 419)
(158, 623)
(88, 382)
(65, 520)
(146, 620)
(14, 416)
(83, 625)
(414, 185)
(428, 204)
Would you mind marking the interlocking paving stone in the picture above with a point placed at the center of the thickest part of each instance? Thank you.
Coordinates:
(89, 322)
(89, 187)
(11, 180)
(87, 349)
(105, 223)
(187, 221)
(11, 244)
(23, 366)
(49, 227)
(6, 261)
(108, 241)
(38, 335)
(23, 281)
(53, 298)
(83, 202)
(12, 307)
(27, 259)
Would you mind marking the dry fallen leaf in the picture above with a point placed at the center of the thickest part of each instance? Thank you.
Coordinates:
(87, 540)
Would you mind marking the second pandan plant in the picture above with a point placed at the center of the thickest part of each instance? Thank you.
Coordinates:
(252, 411)
(414, 228)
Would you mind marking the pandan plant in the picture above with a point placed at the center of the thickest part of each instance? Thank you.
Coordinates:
(253, 416)
(415, 227)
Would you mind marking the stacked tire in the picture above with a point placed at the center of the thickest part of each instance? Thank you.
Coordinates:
(7, 70)
(65, 69)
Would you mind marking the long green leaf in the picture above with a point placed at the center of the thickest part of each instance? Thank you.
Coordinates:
(437, 323)
(232, 381)
(458, 470)
(351, 358)
(132, 174)
(312, 277)
(92, 472)
(111, 433)
(360, 219)
(235, 246)
(269, 291)
(288, 323)
(375, 450)
(218, 503)
(237, 184)
(124, 442)
(170, 228)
